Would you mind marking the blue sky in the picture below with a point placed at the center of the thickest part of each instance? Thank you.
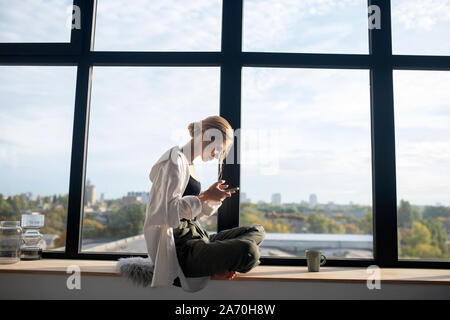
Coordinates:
(303, 130)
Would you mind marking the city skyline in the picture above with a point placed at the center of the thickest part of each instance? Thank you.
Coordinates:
(30, 196)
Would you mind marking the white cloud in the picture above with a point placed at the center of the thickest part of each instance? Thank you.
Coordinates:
(305, 26)
(419, 14)
(159, 25)
(34, 20)
(421, 27)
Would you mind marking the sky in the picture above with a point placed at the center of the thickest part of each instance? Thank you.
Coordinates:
(303, 130)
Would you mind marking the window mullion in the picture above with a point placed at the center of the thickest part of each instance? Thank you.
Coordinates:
(383, 140)
(230, 102)
(80, 130)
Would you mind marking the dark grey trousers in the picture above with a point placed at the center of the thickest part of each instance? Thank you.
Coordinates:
(201, 254)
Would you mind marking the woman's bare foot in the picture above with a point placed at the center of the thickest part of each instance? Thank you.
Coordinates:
(227, 275)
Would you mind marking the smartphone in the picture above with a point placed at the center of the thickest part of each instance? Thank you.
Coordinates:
(232, 189)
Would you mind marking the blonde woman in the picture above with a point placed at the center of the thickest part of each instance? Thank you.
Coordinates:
(183, 252)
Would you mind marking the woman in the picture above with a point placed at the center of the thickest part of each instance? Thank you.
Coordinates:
(183, 252)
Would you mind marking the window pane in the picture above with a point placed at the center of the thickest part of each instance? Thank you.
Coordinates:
(420, 27)
(36, 116)
(306, 160)
(158, 25)
(35, 20)
(333, 26)
(132, 123)
(422, 118)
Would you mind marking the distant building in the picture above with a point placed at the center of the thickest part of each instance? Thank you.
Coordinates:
(304, 203)
(143, 196)
(131, 199)
(312, 200)
(276, 198)
(331, 206)
(29, 196)
(102, 197)
(89, 197)
(244, 198)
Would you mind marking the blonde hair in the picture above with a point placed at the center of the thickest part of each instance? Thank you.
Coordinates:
(221, 124)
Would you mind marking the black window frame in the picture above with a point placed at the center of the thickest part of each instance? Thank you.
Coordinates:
(380, 62)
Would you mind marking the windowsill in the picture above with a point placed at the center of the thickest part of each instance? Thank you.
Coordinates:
(260, 273)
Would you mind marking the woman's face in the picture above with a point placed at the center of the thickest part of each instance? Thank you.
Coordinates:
(212, 149)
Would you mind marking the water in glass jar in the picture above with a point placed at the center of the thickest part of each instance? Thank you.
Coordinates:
(10, 241)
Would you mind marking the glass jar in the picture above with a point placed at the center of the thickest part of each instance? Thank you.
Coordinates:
(10, 241)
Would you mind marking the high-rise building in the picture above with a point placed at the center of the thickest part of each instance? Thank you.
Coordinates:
(312, 200)
(276, 198)
(89, 197)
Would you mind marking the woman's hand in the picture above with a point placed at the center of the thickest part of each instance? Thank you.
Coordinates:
(216, 193)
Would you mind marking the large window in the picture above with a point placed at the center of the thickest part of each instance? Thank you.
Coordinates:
(36, 116)
(126, 136)
(305, 169)
(341, 123)
(422, 117)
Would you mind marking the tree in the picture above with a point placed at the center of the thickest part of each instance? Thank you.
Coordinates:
(436, 211)
(352, 228)
(93, 229)
(438, 235)
(365, 224)
(61, 240)
(420, 235)
(126, 221)
(318, 223)
(6, 211)
(419, 243)
(404, 214)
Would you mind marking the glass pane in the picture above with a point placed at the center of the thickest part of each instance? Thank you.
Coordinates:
(158, 25)
(132, 123)
(35, 20)
(420, 27)
(36, 119)
(306, 160)
(333, 26)
(422, 121)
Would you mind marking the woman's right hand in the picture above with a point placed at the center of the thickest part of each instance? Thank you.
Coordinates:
(216, 193)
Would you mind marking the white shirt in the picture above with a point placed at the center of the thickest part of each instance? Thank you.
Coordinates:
(165, 207)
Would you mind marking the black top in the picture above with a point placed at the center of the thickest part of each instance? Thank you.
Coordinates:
(193, 187)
